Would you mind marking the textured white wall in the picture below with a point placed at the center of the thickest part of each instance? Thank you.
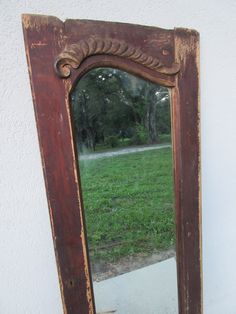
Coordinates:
(28, 277)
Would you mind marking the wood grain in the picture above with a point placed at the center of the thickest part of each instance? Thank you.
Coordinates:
(73, 55)
(50, 95)
(186, 141)
(46, 38)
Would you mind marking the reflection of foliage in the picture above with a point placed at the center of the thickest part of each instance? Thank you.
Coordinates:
(140, 135)
(109, 102)
(112, 141)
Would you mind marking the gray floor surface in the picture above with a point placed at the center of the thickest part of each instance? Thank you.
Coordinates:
(148, 290)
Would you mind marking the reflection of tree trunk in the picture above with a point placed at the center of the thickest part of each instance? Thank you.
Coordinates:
(90, 138)
(136, 117)
(151, 122)
(91, 142)
(151, 116)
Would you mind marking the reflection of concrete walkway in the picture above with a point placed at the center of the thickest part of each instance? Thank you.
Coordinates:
(148, 290)
(122, 151)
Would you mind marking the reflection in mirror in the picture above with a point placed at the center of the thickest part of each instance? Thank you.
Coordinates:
(122, 129)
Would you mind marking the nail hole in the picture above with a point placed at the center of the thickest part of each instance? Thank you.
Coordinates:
(70, 283)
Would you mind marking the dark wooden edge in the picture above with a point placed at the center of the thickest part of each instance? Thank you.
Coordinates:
(186, 152)
(45, 39)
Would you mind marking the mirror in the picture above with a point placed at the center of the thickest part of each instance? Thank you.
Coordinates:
(169, 57)
(122, 129)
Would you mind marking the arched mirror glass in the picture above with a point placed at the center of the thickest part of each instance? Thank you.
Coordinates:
(122, 130)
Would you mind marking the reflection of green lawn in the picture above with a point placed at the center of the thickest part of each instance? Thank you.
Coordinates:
(128, 203)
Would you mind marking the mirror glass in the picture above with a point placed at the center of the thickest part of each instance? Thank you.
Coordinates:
(122, 129)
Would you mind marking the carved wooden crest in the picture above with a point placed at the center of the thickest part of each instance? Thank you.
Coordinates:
(74, 54)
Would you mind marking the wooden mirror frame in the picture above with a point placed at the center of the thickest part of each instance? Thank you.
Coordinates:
(58, 54)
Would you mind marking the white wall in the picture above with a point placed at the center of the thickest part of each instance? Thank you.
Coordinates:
(28, 277)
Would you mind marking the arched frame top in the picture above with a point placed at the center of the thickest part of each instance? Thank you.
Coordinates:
(59, 54)
(125, 65)
(73, 55)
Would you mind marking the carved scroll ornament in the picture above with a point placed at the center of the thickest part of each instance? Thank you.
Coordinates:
(74, 54)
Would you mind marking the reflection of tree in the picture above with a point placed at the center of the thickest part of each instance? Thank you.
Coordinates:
(108, 102)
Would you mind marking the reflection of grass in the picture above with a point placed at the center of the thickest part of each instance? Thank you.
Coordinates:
(128, 203)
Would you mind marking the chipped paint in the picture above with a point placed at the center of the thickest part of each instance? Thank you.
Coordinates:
(68, 87)
(187, 53)
(185, 44)
(38, 44)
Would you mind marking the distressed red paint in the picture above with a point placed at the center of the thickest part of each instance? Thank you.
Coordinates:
(45, 39)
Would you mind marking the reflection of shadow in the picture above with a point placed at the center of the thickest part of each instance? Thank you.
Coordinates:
(107, 312)
(104, 270)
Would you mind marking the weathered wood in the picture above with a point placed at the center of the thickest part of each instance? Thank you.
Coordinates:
(49, 41)
(186, 146)
(43, 36)
(73, 55)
